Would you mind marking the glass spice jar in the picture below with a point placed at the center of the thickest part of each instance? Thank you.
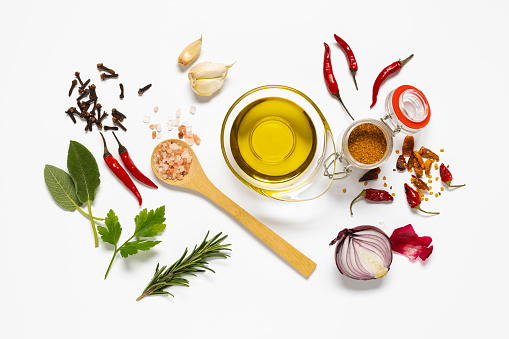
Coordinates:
(407, 110)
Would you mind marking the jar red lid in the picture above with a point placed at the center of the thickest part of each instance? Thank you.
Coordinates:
(403, 116)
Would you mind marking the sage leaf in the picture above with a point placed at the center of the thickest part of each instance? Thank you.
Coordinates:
(61, 187)
(83, 170)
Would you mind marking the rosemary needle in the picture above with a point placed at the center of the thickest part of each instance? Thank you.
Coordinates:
(194, 262)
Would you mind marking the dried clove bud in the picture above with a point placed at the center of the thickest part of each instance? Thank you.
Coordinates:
(110, 128)
(105, 76)
(101, 67)
(82, 87)
(73, 84)
(121, 91)
(118, 123)
(117, 114)
(83, 94)
(144, 89)
(70, 112)
(77, 75)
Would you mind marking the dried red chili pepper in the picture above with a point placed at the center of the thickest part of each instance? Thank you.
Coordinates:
(332, 84)
(391, 69)
(372, 174)
(119, 171)
(352, 63)
(131, 167)
(446, 176)
(373, 195)
(414, 200)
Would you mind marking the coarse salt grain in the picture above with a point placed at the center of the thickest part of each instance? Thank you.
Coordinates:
(156, 109)
(192, 109)
(146, 119)
(178, 113)
(159, 128)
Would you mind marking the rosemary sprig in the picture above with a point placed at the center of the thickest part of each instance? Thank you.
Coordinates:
(195, 262)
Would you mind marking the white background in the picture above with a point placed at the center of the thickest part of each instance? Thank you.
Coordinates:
(51, 276)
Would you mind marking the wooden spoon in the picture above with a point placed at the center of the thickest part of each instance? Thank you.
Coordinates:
(196, 180)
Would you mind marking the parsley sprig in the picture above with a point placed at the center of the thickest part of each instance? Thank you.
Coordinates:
(195, 262)
(148, 225)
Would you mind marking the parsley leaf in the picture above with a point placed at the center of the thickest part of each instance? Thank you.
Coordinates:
(148, 224)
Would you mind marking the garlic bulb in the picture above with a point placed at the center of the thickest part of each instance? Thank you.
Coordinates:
(208, 77)
(190, 53)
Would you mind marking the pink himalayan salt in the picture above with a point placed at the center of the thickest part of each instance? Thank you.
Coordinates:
(172, 161)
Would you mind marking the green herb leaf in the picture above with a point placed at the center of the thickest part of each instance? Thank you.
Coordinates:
(150, 224)
(132, 247)
(83, 170)
(191, 264)
(61, 186)
(85, 173)
(110, 233)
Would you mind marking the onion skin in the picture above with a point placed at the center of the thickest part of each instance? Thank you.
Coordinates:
(363, 252)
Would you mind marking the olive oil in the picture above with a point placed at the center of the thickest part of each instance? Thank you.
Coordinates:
(273, 140)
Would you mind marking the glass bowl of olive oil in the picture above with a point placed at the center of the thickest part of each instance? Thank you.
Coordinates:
(276, 141)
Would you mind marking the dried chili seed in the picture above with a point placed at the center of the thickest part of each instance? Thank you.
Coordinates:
(426, 153)
(371, 174)
(408, 145)
(401, 163)
(419, 183)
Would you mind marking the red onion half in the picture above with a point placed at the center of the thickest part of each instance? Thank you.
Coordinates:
(363, 252)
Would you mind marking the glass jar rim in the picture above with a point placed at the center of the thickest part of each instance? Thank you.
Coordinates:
(402, 115)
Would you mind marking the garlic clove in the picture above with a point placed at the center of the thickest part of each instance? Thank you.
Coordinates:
(209, 70)
(207, 86)
(190, 53)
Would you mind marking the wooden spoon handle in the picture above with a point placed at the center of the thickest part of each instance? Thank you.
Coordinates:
(293, 256)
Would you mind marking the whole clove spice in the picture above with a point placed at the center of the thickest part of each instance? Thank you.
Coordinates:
(77, 75)
(82, 95)
(118, 123)
(121, 91)
(144, 89)
(117, 114)
(105, 76)
(70, 112)
(73, 84)
(101, 67)
(83, 86)
(110, 128)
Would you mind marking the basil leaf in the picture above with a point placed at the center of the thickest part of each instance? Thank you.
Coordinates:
(83, 170)
(61, 186)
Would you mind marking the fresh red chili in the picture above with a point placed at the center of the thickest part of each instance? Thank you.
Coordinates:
(131, 167)
(332, 84)
(446, 176)
(384, 74)
(119, 171)
(373, 195)
(352, 63)
(414, 200)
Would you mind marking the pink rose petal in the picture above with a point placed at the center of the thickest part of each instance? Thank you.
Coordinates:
(405, 241)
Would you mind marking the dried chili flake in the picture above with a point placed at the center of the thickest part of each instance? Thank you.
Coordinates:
(419, 183)
(418, 157)
(371, 174)
(408, 145)
(410, 162)
(417, 167)
(401, 163)
(424, 152)
(405, 241)
(427, 167)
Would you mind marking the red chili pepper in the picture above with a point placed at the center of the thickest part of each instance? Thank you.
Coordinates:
(332, 84)
(414, 200)
(373, 195)
(119, 171)
(352, 63)
(131, 167)
(384, 74)
(446, 176)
